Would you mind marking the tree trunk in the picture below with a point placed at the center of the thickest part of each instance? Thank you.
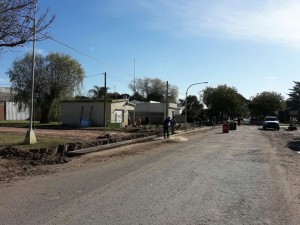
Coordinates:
(45, 114)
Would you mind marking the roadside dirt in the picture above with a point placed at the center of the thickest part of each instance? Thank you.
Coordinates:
(14, 168)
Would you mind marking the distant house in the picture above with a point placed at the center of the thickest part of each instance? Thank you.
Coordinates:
(156, 107)
(90, 112)
(155, 110)
(10, 110)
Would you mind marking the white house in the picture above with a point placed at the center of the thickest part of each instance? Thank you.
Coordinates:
(90, 112)
(156, 107)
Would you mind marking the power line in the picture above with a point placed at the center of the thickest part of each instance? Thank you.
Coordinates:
(111, 78)
(88, 56)
(94, 75)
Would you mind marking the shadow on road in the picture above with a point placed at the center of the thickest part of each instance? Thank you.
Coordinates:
(294, 145)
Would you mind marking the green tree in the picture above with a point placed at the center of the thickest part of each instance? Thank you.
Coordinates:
(16, 22)
(224, 100)
(266, 103)
(194, 108)
(137, 97)
(98, 92)
(154, 89)
(293, 102)
(114, 95)
(57, 76)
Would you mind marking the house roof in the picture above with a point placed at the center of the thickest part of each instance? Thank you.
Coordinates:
(135, 102)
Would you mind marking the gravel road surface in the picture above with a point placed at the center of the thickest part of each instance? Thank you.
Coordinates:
(247, 176)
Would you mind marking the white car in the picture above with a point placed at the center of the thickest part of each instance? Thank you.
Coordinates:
(271, 122)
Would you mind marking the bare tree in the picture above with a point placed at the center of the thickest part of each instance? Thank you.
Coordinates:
(16, 22)
(154, 89)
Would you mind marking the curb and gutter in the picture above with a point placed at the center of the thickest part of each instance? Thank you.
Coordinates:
(127, 142)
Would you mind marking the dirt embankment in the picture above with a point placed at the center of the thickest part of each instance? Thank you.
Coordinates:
(16, 163)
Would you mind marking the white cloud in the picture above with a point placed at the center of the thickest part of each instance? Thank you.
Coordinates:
(259, 20)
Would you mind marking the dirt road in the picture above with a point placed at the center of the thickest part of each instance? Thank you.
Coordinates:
(248, 176)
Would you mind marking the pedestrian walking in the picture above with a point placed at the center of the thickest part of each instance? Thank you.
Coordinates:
(166, 125)
(173, 123)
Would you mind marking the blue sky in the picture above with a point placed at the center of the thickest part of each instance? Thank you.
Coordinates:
(253, 46)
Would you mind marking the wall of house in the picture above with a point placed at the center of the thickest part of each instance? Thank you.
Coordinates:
(13, 112)
(155, 118)
(2, 111)
(10, 110)
(151, 107)
(120, 112)
(72, 112)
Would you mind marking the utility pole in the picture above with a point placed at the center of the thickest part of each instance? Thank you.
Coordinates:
(167, 100)
(30, 137)
(104, 108)
(134, 91)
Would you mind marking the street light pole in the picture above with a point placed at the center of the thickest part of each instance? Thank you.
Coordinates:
(104, 107)
(30, 137)
(185, 120)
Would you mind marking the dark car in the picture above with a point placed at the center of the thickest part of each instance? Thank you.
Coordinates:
(255, 121)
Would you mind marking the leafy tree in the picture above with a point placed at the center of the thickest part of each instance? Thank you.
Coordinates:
(154, 89)
(266, 103)
(137, 97)
(16, 22)
(194, 108)
(57, 76)
(114, 95)
(81, 97)
(293, 102)
(98, 92)
(224, 100)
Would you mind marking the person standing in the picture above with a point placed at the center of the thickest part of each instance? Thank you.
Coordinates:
(173, 123)
(138, 122)
(213, 121)
(147, 122)
(166, 125)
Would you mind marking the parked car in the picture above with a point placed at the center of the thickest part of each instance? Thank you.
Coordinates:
(255, 121)
(271, 122)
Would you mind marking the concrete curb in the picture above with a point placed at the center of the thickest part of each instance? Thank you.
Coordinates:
(109, 146)
(128, 142)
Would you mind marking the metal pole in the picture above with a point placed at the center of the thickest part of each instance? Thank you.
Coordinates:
(185, 111)
(104, 111)
(167, 101)
(185, 120)
(30, 135)
(134, 91)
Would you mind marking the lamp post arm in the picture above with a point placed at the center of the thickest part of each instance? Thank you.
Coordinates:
(185, 117)
(193, 85)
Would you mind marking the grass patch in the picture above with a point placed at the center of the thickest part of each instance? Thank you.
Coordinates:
(26, 123)
(17, 140)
